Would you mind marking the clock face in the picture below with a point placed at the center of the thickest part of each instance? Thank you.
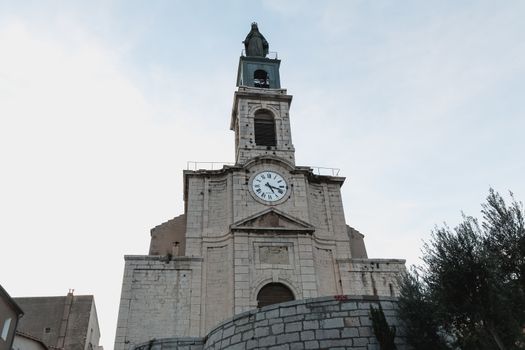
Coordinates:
(269, 186)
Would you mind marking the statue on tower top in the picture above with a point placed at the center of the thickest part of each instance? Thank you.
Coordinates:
(255, 43)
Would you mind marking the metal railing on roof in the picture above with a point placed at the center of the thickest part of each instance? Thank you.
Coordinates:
(318, 170)
(271, 54)
(192, 165)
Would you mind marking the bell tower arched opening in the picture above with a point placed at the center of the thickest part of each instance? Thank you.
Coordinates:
(264, 128)
(274, 293)
(261, 79)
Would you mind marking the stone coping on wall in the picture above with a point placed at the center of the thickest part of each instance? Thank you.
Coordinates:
(373, 261)
(334, 322)
(160, 258)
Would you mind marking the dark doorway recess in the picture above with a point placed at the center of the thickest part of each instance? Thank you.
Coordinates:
(274, 293)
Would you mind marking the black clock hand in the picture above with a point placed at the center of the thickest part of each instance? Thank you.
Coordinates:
(280, 190)
(277, 188)
(270, 186)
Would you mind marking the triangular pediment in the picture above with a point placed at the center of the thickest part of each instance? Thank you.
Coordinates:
(272, 220)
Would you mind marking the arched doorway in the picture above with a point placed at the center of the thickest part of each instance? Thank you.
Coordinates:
(274, 293)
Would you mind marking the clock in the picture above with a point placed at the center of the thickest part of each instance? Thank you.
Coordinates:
(269, 186)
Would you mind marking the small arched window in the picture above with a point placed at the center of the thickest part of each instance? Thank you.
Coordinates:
(274, 293)
(264, 129)
(261, 79)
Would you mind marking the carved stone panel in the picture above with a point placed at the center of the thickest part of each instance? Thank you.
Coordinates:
(271, 255)
(274, 255)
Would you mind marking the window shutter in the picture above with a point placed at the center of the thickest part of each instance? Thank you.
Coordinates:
(265, 131)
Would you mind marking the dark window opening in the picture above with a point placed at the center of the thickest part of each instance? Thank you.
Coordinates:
(264, 129)
(274, 293)
(47, 330)
(261, 79)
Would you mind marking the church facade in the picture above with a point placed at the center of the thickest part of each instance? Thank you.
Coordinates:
(261, 232)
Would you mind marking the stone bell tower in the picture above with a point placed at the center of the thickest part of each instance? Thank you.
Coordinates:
(263, 231)
(260, 115)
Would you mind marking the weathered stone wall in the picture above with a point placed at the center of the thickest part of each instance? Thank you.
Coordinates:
(159, 298)
(217, 199)
(217, 284)
(93, 330)
(357, 243)
(338, 322)
(371, 276)
(326, 213)
(164, 236)
(289, 264)
(185, 297)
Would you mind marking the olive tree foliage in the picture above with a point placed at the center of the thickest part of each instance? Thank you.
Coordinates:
(470, 292)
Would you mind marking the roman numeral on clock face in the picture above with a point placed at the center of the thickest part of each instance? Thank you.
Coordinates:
(269, 186)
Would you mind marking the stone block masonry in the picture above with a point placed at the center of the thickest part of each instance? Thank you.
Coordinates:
(336, 322)
(157, 299)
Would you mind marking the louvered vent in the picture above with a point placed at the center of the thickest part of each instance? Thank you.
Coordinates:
(264, 129)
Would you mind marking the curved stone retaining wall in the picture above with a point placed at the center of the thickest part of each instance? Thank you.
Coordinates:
(338, 322)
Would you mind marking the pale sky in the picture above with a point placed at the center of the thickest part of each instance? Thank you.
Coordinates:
(421, 104)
